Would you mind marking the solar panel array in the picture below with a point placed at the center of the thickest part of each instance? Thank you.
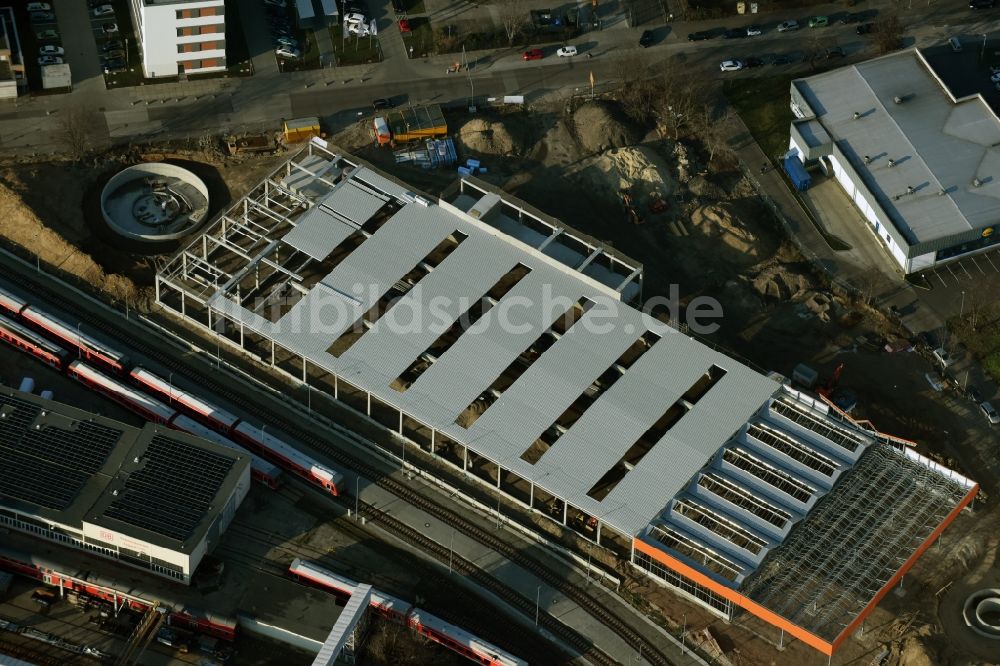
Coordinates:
(173, 490)
(48, 465)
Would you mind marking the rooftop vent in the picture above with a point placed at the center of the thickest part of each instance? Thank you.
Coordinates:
(856, 115)
(897, 99)
(868, 160)
(941, 193)
(892, 163)
(976, 182)
(910, 189)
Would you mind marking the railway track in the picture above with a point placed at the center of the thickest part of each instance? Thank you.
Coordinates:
(291, 425)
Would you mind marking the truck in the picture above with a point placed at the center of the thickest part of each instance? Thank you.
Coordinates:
(412, 123)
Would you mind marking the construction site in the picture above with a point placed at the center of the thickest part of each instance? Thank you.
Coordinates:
(688, 221)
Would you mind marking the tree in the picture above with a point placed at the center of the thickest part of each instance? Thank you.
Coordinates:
(513, 18)
(73, 132)
(640, 90)
(888, 32)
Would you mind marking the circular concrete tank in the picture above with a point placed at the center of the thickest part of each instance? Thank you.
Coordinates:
(982, 613)
(154, 201)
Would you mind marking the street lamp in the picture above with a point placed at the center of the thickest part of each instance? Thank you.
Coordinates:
(961, 309)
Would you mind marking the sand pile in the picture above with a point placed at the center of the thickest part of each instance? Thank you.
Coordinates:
(489, 137)
(600, 127)
(718, 222)
(782, 283)
(638, 170)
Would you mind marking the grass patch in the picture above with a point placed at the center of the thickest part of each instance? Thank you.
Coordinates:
(979, 330)
(421, 37)
(763, 103)
(310, 54)
(354, 50)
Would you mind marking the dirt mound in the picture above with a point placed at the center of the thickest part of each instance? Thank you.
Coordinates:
(719, 222)
(702, 187)
(22, 227)
(638, 170)
(489, 137)
(601, 126)
(783, 283)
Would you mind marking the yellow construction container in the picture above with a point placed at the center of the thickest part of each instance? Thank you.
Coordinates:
(300, 129)
(414, 123)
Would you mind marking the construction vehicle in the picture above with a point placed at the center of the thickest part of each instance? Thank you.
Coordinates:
(412, 123)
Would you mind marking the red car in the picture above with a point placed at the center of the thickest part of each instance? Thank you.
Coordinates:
(533, 54)
(404, 26)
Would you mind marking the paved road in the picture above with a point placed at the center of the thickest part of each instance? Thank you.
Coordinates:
(261, 101)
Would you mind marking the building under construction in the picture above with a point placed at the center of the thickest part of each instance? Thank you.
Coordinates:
(508, 344)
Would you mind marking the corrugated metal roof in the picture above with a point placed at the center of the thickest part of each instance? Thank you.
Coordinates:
(317, 233)
(937, 145)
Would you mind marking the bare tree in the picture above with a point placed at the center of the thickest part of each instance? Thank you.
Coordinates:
(888, 32)
(513, 18)
(681, 97)
(73, 132)
(639, 89)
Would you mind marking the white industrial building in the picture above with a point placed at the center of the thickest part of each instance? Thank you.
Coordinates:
(504, 342)
(180, 36)
(149, 497)
(922, 166)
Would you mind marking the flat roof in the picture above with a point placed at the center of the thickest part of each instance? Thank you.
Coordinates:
(71, 466)
(940, 147)
(586, 364)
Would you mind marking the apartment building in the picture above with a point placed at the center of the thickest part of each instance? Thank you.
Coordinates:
(180, 36)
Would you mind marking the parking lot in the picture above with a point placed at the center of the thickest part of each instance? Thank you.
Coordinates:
(972, 268)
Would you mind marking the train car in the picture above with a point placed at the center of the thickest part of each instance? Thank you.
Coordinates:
(150, 408)
(214, 416)
(27, 340)
(11, 304)
(384, 604)
(260, 469)
(259, 441)
(88, 347)
(459, 640)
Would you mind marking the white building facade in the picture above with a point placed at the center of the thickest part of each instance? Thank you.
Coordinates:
(180, 36)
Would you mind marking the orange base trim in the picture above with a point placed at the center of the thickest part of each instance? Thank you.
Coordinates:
(732, 595)
(845, 634)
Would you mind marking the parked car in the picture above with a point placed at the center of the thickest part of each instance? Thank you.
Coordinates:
(990, 413)
(699, 36)
(359, 29)
(109, 28)
(788, 26)
(943, 357)
(864, 28)
(404, 26)
(39, 7)
(286, 41)
(42, 17)
(382, 103)
(646, 38)
(44, 596)
(753, 62)
(114, 55)
(355, 18)
(50, 49)
(113, 45)
(532, 54)
(50, 60)
(995, 78)
(113, 66)
(819, 21)
(286, 52)
(43, 35)
(103, 10)
(731, 65)
(566, 51)
(754, 31)
(834, 52)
